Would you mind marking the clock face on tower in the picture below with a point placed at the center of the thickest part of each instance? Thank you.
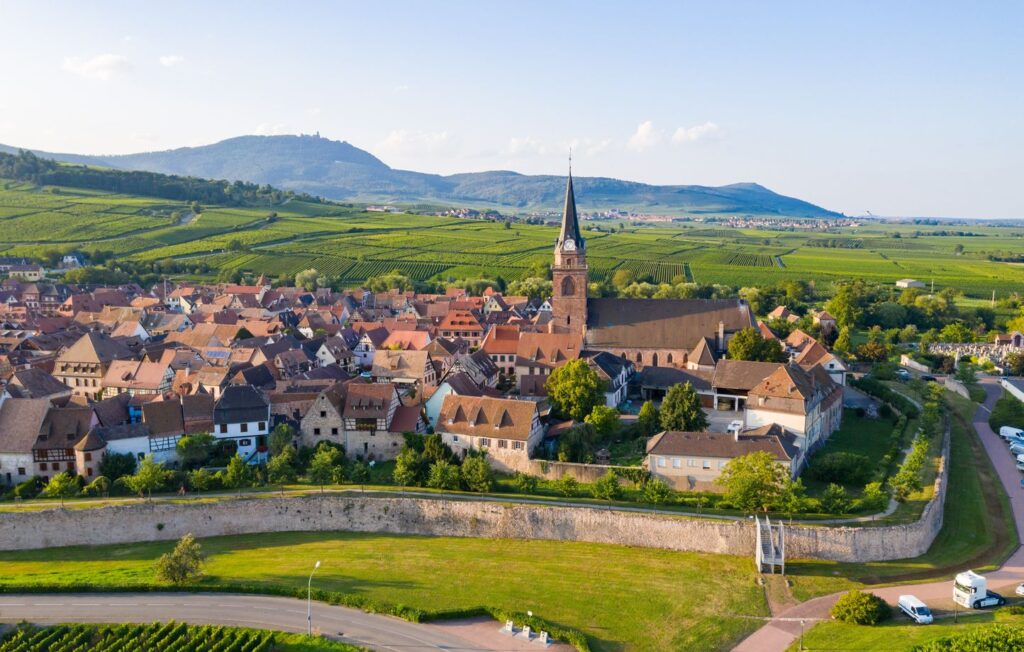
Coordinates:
(569, 245)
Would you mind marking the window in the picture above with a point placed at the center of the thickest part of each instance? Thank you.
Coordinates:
(244, 442)
(262, 425)
(223, 427)
(88, 457)
(323, 414)
(88, 471)
(71, 466)
(316, 431)
(676, 463)
(707, 464)
(21, 470)
(517, 445)
(661, 462)
(42, 466)
(243, 427)
(721, 464)
(334, 431)
(691, 462)
(455, 438)
(484, 441)
(502, 443)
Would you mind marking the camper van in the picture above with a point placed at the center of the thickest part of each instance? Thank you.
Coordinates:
(1007, 431)
(970, 591)
(917, 610)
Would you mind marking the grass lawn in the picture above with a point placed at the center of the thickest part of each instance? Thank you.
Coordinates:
(978, 530)
(898, 634)
(621, 598)
(858, 435)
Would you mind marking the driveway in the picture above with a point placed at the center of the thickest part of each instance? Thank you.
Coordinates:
(780, 632)
(373, 631)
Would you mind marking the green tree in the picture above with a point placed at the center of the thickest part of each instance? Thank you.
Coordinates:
(749, 344)
(62, 486)
(834, 499)
(955, 333)
(657, 491)
(200, 480)
(409, 467)
(306, 279)
(753, 482)
(281, 468)
(149, 478)
(238, 475)
(846, 304)
(360, 473)
(435, 450)
(525, 483)
(183, 564)
(873, 351)
(647, 419)
(323, 469)
(967, 373)
(791, 500)
(576, 443)
(1015, 364)
(680, 410)
(607, 487)
(574, 389)
(117, 465)
(194, 450)
(843, 343)
(568, 486)
(874, 497)
(281, 437)
(443, 475)
(623, 277)
(604, 419)
(477, 474)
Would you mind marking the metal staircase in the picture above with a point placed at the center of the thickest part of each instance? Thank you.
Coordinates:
(770, 547)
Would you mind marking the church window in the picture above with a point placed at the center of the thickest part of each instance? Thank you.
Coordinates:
(568, 287)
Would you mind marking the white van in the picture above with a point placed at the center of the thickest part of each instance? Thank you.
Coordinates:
(1007, 431)
(917, 610)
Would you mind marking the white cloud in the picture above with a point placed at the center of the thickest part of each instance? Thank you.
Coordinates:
(171, 60)
(526, 145)
(685, 135)
(644, 137)
(403, 140)
(102, 66)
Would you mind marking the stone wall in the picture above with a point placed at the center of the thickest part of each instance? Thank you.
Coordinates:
(460, 518)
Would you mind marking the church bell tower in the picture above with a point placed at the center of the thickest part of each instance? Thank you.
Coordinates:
(569, 271)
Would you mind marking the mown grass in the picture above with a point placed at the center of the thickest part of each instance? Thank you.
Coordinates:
(621, 598)
(978, 528)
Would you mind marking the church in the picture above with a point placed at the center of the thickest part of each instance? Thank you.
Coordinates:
(681, 333)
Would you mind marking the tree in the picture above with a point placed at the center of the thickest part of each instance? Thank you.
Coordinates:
(409, 467)
(238, 474)
(607, 486)
(477, 474)
(281, 437)
(200, 480)
(657, 491)
(1015, 364)
(955, 333)
(62, 486)
(874, 497)
(281, 468)
(860, 608)
(195, 450)
(749, 344)
(604, 419)
(623, 277)
(681, 409)
(576, 443)
(753, 481)
(182, 564)
(873, 351)
(834, 499)
(843, 343)
(647, 419)
(791, 500)
(306, 279)
(443, 475)
(435, 450)
(845, 305)
(574, 389)
(117, 465)
(568, 486)
(324, 467)
(149, 478)
(525, 483)
(967, 373)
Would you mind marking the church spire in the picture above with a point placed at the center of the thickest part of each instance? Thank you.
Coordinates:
(570, 223)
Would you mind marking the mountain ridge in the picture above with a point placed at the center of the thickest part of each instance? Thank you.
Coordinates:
(340, 171)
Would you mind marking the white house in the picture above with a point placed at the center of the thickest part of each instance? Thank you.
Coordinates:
(242, 415)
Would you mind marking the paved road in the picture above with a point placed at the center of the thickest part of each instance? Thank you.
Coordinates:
(266, 612)
(779, 633)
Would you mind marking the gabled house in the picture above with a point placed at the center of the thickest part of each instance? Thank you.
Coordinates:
(21, 420)
(242, 416)
(501, 343)
(369, 342)
(457, 383)
(335, 351)
(538, 354)
(807, 403)
(84, 364)
(615, 372)
(408, 370)
(509, 430)
(375, 420)
(137, 378)
(478, 366)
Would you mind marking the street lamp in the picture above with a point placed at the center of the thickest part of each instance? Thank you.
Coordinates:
(309, 601)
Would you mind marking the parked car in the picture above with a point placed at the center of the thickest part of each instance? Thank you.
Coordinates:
(1020, 589)
(1020, 466)
(917, 610)
(903, 375)
(929, 378)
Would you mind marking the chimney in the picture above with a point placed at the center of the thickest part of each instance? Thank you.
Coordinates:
(721, 335)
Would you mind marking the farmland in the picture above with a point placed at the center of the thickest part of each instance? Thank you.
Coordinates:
(349, 244)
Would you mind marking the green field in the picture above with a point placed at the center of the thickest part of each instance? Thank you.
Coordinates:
(351, 245)
(621, 598)
(160, 637)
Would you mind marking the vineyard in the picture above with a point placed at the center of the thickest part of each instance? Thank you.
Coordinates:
(350, 245)
(155, 637)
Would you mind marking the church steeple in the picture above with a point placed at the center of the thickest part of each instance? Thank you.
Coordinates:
(570, 222)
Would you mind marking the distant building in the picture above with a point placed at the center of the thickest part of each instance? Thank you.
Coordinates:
(909, 283)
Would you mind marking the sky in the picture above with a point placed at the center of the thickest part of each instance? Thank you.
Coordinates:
(903, 109)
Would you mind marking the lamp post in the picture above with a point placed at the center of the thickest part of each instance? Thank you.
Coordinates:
(309, 601)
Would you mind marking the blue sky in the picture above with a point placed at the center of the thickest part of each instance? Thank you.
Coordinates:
(909, 108)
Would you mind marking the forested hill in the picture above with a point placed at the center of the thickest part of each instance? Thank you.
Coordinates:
(26, 166)
(338, 170)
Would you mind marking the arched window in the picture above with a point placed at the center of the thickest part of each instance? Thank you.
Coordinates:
(670, 358)
(640, 357)
(568, 287)
(654, 360)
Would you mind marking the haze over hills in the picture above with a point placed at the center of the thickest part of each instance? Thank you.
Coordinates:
(340, 171)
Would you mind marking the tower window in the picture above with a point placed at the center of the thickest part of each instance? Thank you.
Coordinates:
(568, 287)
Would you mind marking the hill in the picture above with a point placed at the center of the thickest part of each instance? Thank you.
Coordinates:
(338, 170)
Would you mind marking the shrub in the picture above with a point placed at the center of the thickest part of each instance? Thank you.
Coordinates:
(477, 474)
(607, 487)
(842, 467)
(834, 500)
(656, 491)
(568, 486)
(874, 497)
(1007, 411)
(861, 608)
(182, 564)
(525, 483)
(992, 637)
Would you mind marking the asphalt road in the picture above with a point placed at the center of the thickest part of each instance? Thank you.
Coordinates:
(265, 612)
(781, 631)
